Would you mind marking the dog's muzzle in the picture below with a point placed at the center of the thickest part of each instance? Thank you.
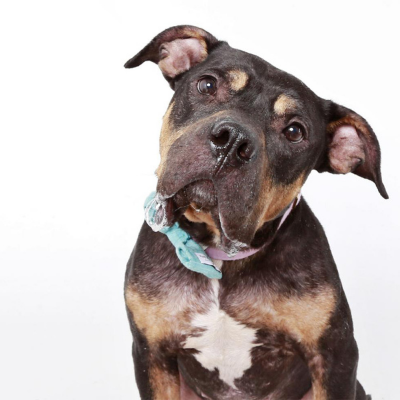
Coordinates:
(228, 155)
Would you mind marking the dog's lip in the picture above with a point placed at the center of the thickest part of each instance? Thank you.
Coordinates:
(226, 243)
(165, 195)
(177, 203)
(218, 211)
(199, 194)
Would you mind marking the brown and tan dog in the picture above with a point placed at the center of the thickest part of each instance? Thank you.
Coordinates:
(238, 141)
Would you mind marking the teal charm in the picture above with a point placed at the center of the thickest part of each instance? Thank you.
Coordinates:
(189, 252)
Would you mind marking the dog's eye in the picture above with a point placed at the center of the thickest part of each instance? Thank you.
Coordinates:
(207, 85)
(294, 133)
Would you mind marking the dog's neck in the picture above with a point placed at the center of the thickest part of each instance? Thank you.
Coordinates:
(263, 237)
(218, 254)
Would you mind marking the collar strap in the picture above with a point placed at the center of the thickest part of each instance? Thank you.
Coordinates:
(189, 252)
(218, 254)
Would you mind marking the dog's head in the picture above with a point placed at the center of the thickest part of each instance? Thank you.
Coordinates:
(240, 137)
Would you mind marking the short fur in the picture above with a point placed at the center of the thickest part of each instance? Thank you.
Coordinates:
(277, 325)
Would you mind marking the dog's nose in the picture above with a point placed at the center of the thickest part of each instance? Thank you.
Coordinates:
(229, 138)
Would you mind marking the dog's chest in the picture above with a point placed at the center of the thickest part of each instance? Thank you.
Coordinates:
(238, 337)
(248, 335)
(220, 341)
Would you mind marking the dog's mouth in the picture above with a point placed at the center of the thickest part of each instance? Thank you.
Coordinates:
(198, 202)
(199, 195)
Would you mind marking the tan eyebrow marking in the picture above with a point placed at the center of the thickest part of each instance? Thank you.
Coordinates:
(283, 103)
(238, 79)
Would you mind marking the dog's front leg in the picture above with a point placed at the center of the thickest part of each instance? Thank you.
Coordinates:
(333, 366)
(163, 383)
(157, 375)
(334, 376)
(154, 350)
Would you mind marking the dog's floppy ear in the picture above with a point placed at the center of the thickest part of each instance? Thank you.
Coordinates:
(351, 147)
(176, 50)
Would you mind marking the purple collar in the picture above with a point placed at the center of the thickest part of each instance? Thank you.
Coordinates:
(218, 254)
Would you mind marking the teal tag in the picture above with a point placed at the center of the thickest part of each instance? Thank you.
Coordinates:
(189, 252)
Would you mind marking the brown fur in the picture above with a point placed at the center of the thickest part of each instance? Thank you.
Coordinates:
(167, 138)
(353, 120)
(168, 314)
(194, 33)
(238, 79)
(303, 318)
(276, 198)
(202, 217)
(164, 385)
(283, 103)
(317, 370)
(155, 318)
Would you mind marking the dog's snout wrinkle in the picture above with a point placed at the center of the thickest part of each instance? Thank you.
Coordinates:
(222, 160)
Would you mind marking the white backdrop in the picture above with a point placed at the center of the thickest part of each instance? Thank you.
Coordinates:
(79, 146)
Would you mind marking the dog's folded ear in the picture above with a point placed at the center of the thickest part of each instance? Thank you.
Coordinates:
(176, 50)
(352, 146)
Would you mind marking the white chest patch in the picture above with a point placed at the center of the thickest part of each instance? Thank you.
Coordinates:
(225, 343)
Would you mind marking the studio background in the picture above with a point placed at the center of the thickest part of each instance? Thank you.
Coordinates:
(79, 147)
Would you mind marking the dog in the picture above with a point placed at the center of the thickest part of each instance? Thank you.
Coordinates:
(238, 141)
